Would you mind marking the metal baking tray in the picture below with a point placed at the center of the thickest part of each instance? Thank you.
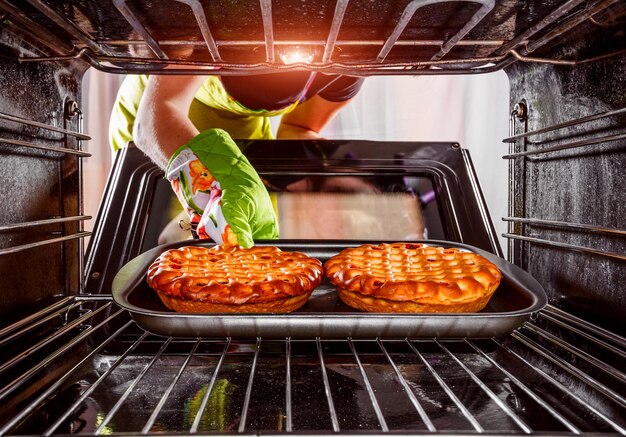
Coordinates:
(518, 296)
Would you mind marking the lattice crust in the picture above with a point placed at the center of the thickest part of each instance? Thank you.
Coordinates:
(233, 275)
(431, 278)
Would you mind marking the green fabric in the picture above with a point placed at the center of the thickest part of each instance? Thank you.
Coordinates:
(246, 204)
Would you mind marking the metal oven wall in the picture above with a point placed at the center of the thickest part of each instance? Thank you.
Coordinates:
(39, 187)
(581, 267)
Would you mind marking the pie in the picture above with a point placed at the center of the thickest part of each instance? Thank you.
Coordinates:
(233, 279)
(412, 278)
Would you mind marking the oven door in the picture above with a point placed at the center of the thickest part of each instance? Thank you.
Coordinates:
(322, 190)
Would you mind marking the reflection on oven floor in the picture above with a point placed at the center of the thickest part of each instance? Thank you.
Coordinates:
(368, 391)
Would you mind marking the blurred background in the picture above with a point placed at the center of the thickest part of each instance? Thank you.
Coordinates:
(471, 110)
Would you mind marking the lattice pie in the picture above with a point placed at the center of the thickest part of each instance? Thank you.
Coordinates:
(407, 277)
(233, 279)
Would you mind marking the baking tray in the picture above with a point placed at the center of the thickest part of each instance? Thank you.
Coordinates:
(518, 296)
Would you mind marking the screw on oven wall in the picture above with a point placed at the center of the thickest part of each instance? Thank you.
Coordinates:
(456, 146)
(71, 109)
(520, 110)
(95, 275)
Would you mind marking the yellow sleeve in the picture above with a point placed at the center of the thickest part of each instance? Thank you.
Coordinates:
(125, 110)
(211, 108)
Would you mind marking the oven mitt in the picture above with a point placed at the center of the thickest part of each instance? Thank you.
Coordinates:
(220, 191)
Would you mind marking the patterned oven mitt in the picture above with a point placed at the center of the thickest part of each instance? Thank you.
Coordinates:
(220, 191)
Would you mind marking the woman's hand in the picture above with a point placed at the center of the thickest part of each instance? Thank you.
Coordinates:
(221, 191)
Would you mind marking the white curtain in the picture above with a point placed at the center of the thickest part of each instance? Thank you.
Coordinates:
(472, 110)
(99, 92)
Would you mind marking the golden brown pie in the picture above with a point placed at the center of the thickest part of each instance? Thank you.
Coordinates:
(232, 279)
(412, 277)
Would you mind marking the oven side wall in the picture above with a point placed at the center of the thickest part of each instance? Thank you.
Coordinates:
(578, 185)
(36, 184)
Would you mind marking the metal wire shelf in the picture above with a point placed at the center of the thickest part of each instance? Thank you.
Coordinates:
(36, 223)
(499, 385)
(48, 127)
(32, 145)
(569, 123)
(517, 229)
(568, 146)
(566, 225)
(574, 247)
(101, 53)
(70, 110)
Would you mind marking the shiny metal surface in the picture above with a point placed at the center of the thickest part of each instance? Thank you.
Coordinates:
(569, 123)
(36, 223)
(112, 47)
(268, 30)
(44, 126)
(409, 12)
(567, 225)
(329, 46)
(131, 382)
(483, 65)
(567, 146)
(23, 247)
(198, 12)
(32, 145)
(579, 182)
(574, 247)
(130, 16)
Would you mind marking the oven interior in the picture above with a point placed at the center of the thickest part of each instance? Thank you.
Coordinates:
(72, 361)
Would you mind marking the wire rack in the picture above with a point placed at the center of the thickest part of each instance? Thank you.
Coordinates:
(454, 54)
(40, 144)
(82, 366)
(519, 226)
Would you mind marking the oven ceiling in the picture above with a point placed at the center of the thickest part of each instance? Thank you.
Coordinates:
(358, 36)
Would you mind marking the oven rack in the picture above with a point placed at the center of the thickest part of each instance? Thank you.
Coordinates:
(90, 369)
(26, 125)
(105, 54)
(522, 149)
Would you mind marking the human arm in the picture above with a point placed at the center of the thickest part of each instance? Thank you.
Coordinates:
(308, 118)
(218, 188)
(162, 124)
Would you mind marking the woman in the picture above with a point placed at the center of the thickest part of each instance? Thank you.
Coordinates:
(185, 125)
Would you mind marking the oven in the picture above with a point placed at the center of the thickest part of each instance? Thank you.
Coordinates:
(72, 360)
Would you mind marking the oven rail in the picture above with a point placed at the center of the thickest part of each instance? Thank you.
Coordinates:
(490, 54)
(81, 365)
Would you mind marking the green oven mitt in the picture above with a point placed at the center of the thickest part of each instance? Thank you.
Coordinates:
(221, 191)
